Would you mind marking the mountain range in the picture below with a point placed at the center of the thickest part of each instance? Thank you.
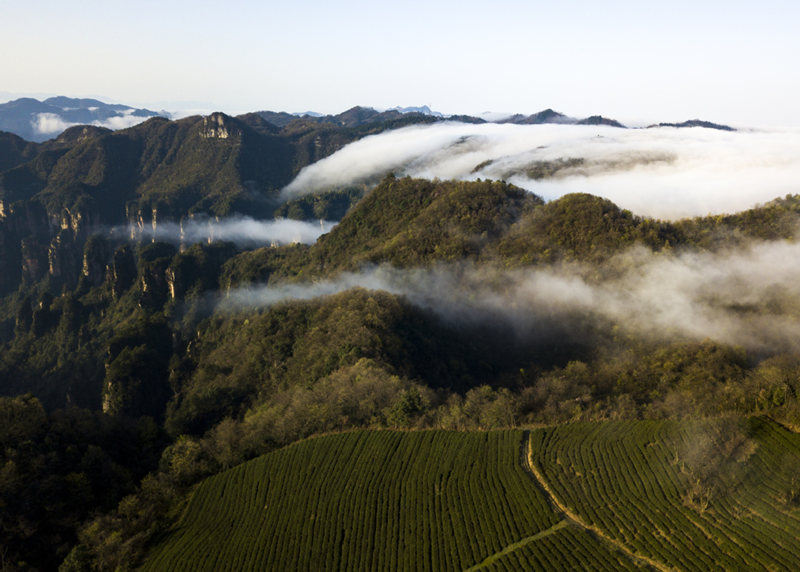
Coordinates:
(38, 121)
(54, 193)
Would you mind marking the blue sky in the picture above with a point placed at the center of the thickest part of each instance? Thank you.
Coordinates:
(731, 61)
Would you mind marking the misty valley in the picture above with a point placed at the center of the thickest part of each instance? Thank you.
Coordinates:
(399, 341)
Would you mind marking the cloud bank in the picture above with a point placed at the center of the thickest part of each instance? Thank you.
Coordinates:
(244, 231)
(53, 124)
(749, 298)
(49, 123)
(665, 172)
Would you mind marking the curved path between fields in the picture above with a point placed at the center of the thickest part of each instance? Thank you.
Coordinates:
(573, 518)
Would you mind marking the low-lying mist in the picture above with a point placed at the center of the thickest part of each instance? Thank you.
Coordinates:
(749, 297)
(666, 172)
(244, 231)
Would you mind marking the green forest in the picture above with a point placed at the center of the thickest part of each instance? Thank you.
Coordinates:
(458, 375)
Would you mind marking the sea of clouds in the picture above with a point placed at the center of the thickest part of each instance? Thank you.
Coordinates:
(663, 172)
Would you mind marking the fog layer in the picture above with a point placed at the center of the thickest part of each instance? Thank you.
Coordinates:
(53, 124)
(750, 297)
(661, 172)
(244, 231)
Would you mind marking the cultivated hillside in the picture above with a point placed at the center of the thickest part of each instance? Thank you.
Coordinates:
(602, 496)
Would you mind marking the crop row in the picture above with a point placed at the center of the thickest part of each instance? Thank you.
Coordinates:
(646, 485)
(567, 549)
(377, 500)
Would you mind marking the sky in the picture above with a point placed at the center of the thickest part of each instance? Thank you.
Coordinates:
(725, 61)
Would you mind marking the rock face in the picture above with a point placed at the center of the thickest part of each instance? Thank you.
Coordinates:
(142, 221)
(9, 260)
(96, 260)
(153, 284)
(154, 260)
(54, 195)
(34, 259)
(90, 179)
(63, 259)
(122, 271)
(219, 126)
(197, 269)
(35, 243)
(136, 379)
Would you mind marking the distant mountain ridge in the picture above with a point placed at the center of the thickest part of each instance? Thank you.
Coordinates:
(39, 121)
(353, 117)
(359, 116)
(696, 123)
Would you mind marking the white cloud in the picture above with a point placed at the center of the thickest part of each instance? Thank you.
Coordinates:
(49, 124)
(748, 297)
(663, 172)
(53, 124)
(120, 121)
(241, 230)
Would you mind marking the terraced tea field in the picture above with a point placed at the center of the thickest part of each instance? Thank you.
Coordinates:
(634, 481)
(374, 501)
(602, 496)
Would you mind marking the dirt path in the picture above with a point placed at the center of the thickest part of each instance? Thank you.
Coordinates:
(519, 544)
(573, 518)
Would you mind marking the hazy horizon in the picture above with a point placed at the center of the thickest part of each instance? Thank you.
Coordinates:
(729, 62)
(179, 110)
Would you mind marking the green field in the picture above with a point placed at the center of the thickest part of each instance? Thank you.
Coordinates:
(429, 500)
(634, 481)
(603, 496)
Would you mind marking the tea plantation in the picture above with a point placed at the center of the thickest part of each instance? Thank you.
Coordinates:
(598, 496)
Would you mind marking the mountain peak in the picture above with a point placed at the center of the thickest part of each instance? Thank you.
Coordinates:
(545, 116)
(696, 123)
(73, 103)
(424, 110)
(600, 120)
(220, 126)
(80, 133)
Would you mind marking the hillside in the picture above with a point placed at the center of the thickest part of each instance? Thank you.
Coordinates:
(688, 495)
(14, 150)
(603, 496)
(414, 222)
(55, 194)
(400, 501)
(461, 239)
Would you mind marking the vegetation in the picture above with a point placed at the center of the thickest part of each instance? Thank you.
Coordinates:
(331, 205)
(444, 500)
(132, 371)
(691, 495)
(426, 500)
(57, 469)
